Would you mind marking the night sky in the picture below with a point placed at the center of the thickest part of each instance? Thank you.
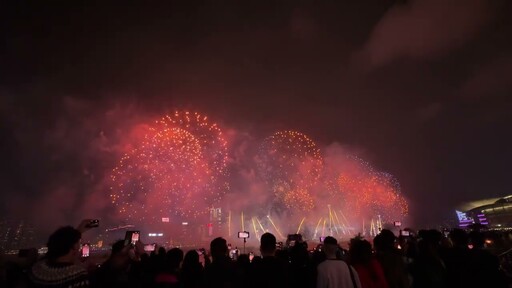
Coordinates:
(420, 89)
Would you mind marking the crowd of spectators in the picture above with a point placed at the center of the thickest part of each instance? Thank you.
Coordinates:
(426, 259)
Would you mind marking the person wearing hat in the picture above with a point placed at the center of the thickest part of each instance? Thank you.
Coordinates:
(335, 273)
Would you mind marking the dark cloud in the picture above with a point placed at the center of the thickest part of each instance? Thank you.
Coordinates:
(490, 81)
(424, 29)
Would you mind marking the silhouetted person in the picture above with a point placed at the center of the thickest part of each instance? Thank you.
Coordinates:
(220, 273)
(428, 269)
(115, 271)
(390, 258)
(368, 268)
(483, 267)
(192, 270)
(456, 258)
(168, 275)
(242, 270)
(58, 269)
(271, 271)
(301, 268)
(16, 268)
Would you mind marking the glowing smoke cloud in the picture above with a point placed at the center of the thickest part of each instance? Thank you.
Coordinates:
(291, 164)
(179, 170)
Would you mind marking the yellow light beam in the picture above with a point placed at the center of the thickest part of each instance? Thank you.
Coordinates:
(261, 226)
(345, 218)
(255, 230)
(243, 226)
(316, 228)
(275, 227)
(339, 223)
(300, 225)
(229, 223)
(323, 228)
(345, 221)
(330, 218)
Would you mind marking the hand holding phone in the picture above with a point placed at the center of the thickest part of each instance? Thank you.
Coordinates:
(93, 223)
(150, 247)
(131, 237)
(87, 224)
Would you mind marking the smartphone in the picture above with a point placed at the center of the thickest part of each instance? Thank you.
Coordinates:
(251, 256)
(243, 234)
(94, 223)
(85, 250)
(405, 233)
(131, 237)
(150, 247)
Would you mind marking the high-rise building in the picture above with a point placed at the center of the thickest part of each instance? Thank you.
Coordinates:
(16, 235)
(216, 222)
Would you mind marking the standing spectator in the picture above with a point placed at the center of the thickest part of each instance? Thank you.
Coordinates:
(192, 270)
(484, 267)
(271, 271)
(428, 269)
(301, 268)
(115, 271)
(220, 273)
(168, 275)
(58, 269)
(391, 260)
(242, 270)
(456, 258)
(368, 268)
(335, 273)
